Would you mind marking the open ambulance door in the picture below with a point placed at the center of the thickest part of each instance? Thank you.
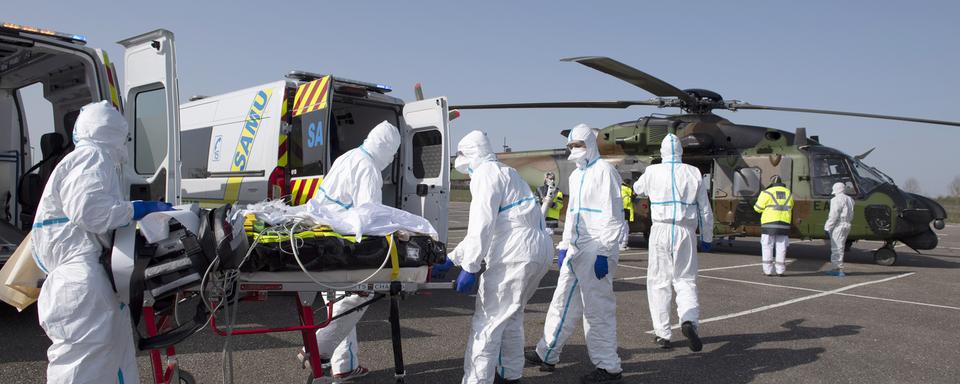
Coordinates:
(425, 189)
(152, 103)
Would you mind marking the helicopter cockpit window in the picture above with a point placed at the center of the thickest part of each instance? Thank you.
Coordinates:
(746, 182)
(868, 178)
(828, 170)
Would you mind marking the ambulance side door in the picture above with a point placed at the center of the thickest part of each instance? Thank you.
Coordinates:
(425, 185)
(153, 113)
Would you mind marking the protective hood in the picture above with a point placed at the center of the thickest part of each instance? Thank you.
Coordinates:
(476, 149)
(101, 125)
(839, 189)
(670, 149)
(381, 144)
(584, 133)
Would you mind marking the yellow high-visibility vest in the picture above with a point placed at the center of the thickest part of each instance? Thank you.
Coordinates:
(776, 205)
(627, 194)
(553, 213)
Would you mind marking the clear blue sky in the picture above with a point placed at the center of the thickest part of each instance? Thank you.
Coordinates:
(891, 57)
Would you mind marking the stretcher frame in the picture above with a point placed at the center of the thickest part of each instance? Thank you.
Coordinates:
(251, 289)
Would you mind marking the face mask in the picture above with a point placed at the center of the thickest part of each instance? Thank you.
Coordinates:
(577, 153)
(462, 165)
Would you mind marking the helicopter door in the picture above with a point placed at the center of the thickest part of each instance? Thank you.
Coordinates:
(153, 114)
(425, 188)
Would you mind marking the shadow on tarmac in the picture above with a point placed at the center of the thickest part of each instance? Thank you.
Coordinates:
(738, 359)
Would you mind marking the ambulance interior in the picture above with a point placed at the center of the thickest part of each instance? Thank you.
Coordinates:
(42, 88)
(350, 122)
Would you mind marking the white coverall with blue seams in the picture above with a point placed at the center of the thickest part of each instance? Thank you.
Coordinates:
(506, 230)
(838, 224)
(82, 202)
(593, 227)
(354, 179)
(678, 206)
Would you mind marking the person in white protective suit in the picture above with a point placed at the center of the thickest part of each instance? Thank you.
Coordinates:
(354, 179)
(678, 207)
(81, 205)
(587, 258)
(507, 231)
(838, 226)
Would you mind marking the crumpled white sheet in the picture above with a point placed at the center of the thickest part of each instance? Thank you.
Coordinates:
(155, 226)
(365, 219)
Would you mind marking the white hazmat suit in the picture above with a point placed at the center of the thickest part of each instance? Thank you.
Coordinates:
(678, 206)
(506, 230)
(81, 204)
(354, 178)
(592, 228)
(838, 224)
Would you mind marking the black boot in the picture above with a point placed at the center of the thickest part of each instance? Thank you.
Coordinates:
(601, 375)
(534, 359)
(497, 379)
(663, 343)
(690, 332)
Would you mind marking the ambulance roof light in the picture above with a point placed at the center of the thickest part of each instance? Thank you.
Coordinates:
(79, 39)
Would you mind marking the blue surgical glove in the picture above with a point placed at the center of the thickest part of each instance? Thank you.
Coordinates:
(706, 246)
(440, 270)
(600, 267)
(465, 281)
(560, 256)
(142, 208)
(827, 234)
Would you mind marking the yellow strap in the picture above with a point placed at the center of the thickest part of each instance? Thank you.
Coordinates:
(394, 259)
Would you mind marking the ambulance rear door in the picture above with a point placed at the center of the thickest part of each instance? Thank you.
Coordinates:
(153, 114)
(425, 186)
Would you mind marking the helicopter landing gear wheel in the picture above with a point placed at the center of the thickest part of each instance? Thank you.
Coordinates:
(885, 256)
(939, 224)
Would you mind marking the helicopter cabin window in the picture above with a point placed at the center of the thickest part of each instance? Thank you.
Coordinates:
(828, 170)
(867, 177)
(746, 182)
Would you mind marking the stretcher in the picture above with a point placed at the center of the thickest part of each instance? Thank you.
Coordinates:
(391, 282)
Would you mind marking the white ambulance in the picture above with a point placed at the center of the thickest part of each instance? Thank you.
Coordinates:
(277, 140)
(71, 75)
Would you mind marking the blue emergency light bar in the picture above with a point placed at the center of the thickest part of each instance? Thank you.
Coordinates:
(79, 39)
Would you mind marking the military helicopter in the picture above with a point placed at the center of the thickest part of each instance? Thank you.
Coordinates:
(738, 160)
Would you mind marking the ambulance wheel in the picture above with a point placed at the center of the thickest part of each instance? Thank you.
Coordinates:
(885, 256)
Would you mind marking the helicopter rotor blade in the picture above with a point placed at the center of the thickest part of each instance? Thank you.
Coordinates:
(737, 105)
(633, 76)
(619, 104)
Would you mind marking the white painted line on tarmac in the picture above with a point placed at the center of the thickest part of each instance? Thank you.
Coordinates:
(900, 301)
(759, 283)
(797, 300)
(707, 269)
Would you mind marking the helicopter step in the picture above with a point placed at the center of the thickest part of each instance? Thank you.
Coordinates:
(885, 255)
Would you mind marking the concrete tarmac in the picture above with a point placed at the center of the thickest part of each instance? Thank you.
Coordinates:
(895, 324)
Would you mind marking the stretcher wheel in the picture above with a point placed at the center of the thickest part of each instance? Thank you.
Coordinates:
(186, 377)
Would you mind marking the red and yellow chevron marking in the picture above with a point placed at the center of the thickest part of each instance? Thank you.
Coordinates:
(311, 96)
(112, 80)
(303, 189)
(282, 152)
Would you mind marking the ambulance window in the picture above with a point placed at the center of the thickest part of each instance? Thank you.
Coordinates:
(150, 133)
(427, 150)
(194, 151)
(38, 116)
